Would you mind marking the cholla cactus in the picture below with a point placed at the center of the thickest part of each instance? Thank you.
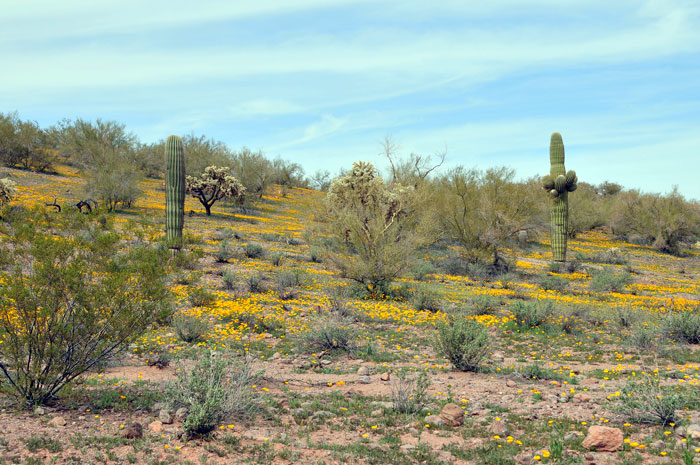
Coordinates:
(214, 184)
(558, 183)
(8, 191)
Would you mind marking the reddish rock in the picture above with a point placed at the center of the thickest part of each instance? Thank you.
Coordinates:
(133, 431)
(603, 439)
(452, 414)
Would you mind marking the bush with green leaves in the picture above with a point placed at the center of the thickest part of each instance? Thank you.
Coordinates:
(276, 258)
(200, 297)
(643, 337)
(531, 314)
(224, 253)
(483, 304)
(552, 282)
(254, 281)
(683, 326)
(328, 334)
(646, 401)
(214, 390)
(253, 250)
(607, 281)
(73, 297)
(422, 269)
(463, 342)
(230, 279)
(427, 299)
(409, 391)
(189, 328)
(287, 283)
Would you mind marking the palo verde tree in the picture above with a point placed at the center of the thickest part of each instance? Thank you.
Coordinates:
(216, 183)
(371, 228)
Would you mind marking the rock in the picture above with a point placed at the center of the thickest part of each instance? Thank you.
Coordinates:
(603, 439)
(408, 447)
(385, 376)
(680, 431)
(58, 421)
(364, 371)
(581, 397)
(572, 436)
(377, 413)
(158, 406)
(524, 458)
(165, 417)
(323, 414)
(414, 431)
(498, 428)
(511, 384)
(658, 445)
(155, 427)
(692, 432)
(364, 380)
(446, 456)
(181, 414)
(325, 362)
(452, 414)
(434, 420)
(383, 404)
(39, 411)
(497, 356)
(132, 431)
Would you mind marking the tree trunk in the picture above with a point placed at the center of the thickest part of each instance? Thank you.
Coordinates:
(208, 209)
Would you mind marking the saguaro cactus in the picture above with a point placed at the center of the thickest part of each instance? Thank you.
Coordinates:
(558, 183)
(174, 190)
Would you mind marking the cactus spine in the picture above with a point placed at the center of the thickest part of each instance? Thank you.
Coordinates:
(558, 183)
(174, 191)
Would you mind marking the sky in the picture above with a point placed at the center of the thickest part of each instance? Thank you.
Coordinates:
(323, 82)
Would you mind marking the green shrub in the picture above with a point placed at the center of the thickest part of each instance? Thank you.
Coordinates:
(463, 342)
(288, 282)
(683, 327)
(422, 269)
(626, 317)
(254, 282)
(553, 283)
(188, 259)
(605, 281)
(276, 258)
(315, 255)
(643, 337)
(189, 328)
(531, 314)
(329, 335)
(646, 401)
(483, 304)
(253, 251)
(230, 279)
(200, 297)
(409, 391)
(214, 390)
(72, 298)
(225, 252)
(611, 257)
(426, 299)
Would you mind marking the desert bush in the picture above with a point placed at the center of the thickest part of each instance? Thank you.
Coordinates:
(288, 282)
(8, 191)
(276, 258)
(25, 144)
(626, 317)
(200, 297)
(71, 299)
(553, 283)
(463, 342)
(189, 328)
(253, 250)
(483, 304)
(214, 390)
(612, 256)
(226, 233)
(409, 391)
(506, 279)
(188, 259)
(230, 279)
(224, 253)
(315, 255)
(643, 337)
(426, 299)
(531, 314)
(254, 281)
(329, 335)
(535, 371)
(646, 401)
(683, 326)
(606, 281)
(422, 269)
(113, 183)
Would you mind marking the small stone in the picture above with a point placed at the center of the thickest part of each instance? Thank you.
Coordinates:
(603, 439)
(498, 428)
(407, 447)
(692, 432)
(446, 456)
(323, 414)
(452, 414)
(181, 414)
(58, 421)
(39, 411)
(133, 431)
(413, 431)
(377, 413)
(572, 436)
(165, 417)
(385, 376)
(158, 406)
(363, 371)
(511, 384)
(434, 420)
(581, 397)
(658, 445)
(155, 426)
(364, 380)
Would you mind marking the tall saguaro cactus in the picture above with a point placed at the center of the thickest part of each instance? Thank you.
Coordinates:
(558, 183)
(174, 190)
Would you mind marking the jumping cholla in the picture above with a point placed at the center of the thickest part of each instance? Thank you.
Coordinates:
(558, 183)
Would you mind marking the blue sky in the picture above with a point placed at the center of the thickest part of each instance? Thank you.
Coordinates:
(322, 82)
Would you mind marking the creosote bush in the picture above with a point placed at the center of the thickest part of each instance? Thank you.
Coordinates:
(189, 328)
(606, 281)
(463, 342)
(531, 314)
(646, 401)
(214, 390)
(553, 283)
(683, 326)
(253, 251)
(329, 335)
(71, 299)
